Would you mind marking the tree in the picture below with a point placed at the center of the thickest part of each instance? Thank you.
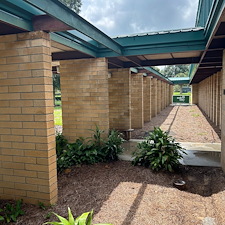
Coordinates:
(75, 5)
(176, 71)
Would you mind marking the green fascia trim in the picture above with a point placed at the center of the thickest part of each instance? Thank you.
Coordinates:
(61, 12)
(169, 42)
(198, 21)
(203, 12)
(15, 21)
(157, 73)
(72, 44)
(214, 17)
(156, 49)
(169, 37)
(180, 80)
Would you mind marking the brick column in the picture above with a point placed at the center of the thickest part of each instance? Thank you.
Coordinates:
(147, 98)
(171, 94)
(218, 98)
(85, 97)
(119, 99)
(27, 147)
(137, 112)
(153, 97)
(194, 88)
(159, 96)
(214, 97)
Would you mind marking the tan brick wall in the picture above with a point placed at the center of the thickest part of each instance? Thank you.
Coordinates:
(209, 97)
(223, 116)
(154, 94)
(147, 98)
(119, 99)
(85, 97)
(27, 138)
(194, 99)
(137, 112)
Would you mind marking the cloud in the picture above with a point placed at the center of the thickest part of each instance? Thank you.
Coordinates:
(123, 17)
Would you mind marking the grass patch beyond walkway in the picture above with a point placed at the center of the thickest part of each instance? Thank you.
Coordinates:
(178, 93)
(58, 115)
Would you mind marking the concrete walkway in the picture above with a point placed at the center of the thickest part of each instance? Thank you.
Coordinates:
(198, 154)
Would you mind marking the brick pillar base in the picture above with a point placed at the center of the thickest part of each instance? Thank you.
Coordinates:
(27, 147)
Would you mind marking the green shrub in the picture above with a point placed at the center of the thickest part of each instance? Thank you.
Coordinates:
(10, 212)
(159, 152)
(84, 219)
(97, 149)
(61, 144)
(112, 146)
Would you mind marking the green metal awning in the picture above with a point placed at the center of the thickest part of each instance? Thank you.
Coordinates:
(76, 38)
(180, 80)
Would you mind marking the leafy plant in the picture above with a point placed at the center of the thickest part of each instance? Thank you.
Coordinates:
(42, 205)
(10, 212)
(159, 152)
(84, 219)
(61, 144)
(97, 149)
(112, 147)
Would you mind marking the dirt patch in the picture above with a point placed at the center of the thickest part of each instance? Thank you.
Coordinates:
(185, 124)
(122, 194)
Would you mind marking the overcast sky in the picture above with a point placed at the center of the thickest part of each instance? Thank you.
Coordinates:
(123, 17)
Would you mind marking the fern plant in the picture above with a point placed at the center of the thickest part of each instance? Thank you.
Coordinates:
(159, 152)
(84, 219)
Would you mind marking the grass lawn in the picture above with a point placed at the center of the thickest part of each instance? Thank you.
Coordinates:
(58, 115)
(178, 93)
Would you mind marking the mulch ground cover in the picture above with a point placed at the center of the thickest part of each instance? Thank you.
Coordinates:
(122, 194)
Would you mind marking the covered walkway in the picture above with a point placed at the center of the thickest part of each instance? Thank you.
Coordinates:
(185, 123)
(105, 81)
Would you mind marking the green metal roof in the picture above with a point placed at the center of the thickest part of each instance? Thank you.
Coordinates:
(184, 46)
(204, 7)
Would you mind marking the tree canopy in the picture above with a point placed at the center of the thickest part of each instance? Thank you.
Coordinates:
(75, 5)
(176, 71)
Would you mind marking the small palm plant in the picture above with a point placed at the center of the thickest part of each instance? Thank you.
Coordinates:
(159, 152)
(84, 219)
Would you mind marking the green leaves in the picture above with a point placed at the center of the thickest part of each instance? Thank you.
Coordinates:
(84, 219)
(10, 212)
(159, 152)
(97, 149)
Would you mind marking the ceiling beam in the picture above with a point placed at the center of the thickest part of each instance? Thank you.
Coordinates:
(160, 62)
(49, 24)
(135, 60)
(58, 10)
(69, 55)
(116, 62)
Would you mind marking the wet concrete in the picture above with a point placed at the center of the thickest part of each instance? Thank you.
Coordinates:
(197, 154)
